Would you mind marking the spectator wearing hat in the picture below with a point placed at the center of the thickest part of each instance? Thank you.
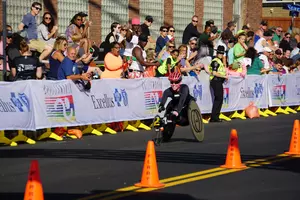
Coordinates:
(265, 58)
(217, 77)
(132, 37)
(260, 32)
(191, 30)
(145, 28)
(139, 56)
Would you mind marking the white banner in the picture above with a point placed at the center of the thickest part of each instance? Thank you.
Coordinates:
(31, 105)
(284, 90)
(16, 106)
(239, 92)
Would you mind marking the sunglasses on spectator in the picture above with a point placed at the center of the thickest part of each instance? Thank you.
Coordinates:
(195, 21)
(38, 8)
(48, 18)
(171, 46)
(65, 44)
(79, 19)
(279, 30)
(172, 31)
(164, 31)
(193, 43)
(174, 82)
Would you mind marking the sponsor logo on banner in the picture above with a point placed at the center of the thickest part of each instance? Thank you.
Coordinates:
(18, 102)
(59, 103)
(152, 94)
(152, 100)
(121, 98)
(118, 98)
(279, 92)
(298, 86)
(225, 98)
(253, 92)
(197, 91)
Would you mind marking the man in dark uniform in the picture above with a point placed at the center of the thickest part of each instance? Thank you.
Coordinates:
(217, 77)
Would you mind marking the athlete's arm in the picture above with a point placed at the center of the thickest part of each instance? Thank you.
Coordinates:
(167, 93)
(184, 92)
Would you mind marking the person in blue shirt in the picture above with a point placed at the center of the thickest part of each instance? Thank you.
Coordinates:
(68, 68)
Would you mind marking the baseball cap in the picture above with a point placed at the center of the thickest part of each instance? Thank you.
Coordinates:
(135, 21)
(149, 18)
(267, 49)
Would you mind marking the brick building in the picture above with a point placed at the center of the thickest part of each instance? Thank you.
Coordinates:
(169, 12)
(276, 15)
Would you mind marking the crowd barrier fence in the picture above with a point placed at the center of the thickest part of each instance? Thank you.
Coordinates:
(34, 104)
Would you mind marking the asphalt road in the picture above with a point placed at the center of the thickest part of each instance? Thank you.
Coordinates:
(106, 167)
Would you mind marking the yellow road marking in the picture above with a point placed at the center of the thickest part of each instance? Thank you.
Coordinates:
(186, 178)
(130, 188)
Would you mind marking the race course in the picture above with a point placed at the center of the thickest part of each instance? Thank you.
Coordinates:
(108, 166)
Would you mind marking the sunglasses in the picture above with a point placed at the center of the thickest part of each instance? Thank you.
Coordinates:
(79, 19)
(172, 31)
(174, 82)
(38, 8)
(193, 43)
(65, 44)
(195, 21)
(171, 46)
(48, 18)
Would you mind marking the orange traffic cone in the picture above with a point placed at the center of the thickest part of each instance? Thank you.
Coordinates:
(34, 189)
(150, 177)
(295, 140)
(233, 158)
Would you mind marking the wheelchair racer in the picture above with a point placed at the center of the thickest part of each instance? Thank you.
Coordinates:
(178, 92)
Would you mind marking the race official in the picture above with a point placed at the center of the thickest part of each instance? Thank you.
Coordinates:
(217, 77)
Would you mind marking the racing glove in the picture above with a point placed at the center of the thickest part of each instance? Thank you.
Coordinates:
(161, 108)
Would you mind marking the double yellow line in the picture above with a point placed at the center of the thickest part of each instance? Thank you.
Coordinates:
(187, 178)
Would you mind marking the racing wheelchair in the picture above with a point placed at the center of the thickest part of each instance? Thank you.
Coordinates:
(189, 116)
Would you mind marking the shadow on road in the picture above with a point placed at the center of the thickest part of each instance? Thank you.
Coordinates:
(133, 195)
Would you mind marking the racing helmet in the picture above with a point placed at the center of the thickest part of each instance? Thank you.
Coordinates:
(175, 77)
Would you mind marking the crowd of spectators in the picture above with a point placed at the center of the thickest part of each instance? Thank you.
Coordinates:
(37, 51)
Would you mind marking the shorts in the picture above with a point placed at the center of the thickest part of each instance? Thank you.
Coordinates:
(37, 44)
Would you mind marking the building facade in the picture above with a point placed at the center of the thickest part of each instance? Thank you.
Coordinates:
(165, 12)
(276, 15)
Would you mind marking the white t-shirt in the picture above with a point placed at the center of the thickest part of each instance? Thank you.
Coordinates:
(258, 45)
(43, 34)
(130, 45)
(265, 61)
